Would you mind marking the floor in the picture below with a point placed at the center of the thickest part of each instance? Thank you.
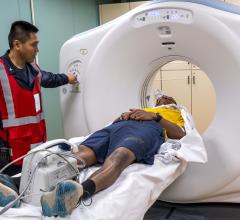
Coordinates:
(206, 211)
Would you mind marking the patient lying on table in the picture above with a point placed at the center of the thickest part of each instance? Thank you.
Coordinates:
(135, 136)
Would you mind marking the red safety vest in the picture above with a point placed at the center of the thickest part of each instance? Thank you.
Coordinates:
(22, 114)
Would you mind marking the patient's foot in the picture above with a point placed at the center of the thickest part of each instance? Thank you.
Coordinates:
(62, 200)
(8, 191)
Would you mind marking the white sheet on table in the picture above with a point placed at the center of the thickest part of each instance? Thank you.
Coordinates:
(138, 187)
(129, 197)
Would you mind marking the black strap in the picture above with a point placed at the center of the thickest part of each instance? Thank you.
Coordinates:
(4, 149)
(3, 135)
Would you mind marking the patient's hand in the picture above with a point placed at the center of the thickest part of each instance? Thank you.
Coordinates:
(141, 115)
(125, 115)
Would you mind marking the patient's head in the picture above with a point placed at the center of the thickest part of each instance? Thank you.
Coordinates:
(165, 100)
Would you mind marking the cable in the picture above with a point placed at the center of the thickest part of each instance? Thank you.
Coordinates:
(60, 154)
(12, 162)
(33, 152)
(11, 204)
(76, 157)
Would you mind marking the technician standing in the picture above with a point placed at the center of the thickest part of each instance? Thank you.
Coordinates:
(22, 124)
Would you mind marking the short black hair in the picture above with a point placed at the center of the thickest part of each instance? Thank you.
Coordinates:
(20, 30)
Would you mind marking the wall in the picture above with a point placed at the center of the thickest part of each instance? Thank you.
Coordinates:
(57, 20)
(10, 11)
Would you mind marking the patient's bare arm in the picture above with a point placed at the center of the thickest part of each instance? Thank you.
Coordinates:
(173, 130)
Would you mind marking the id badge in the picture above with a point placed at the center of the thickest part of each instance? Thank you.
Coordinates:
(37, 102)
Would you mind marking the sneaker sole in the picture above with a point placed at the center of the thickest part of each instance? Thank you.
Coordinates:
(62, 200)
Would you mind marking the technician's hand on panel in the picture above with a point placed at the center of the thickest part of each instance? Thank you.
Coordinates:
(23, 125)
(72, 79)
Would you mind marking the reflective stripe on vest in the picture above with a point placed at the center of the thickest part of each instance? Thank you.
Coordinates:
(12, 120)
(7, 92)
(22, 121)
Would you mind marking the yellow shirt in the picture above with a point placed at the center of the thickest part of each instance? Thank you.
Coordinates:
(171, 114)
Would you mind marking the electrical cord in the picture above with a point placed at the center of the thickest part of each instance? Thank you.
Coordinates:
(11, 204)
(70, 177)
(33, 152)
(60, 154)
(20, 158)
(76, 157)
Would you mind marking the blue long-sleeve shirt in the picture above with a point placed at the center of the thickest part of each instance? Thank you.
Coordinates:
(25, 77)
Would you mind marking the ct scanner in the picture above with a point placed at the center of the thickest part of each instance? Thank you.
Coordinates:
(116, 61)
